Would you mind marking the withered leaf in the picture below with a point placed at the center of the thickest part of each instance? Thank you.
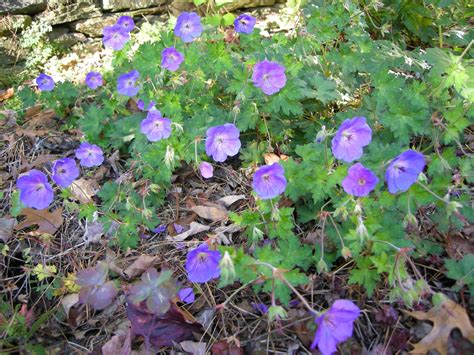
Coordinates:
(271, 158)
(83, 190)
(211, 212)
(445, 318)
(161, 330)
(194, 228)
(139, 266)
(223, 347)
(47, 222)
(6, 228)
(231, 199)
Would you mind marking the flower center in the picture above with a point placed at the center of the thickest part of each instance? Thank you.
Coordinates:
(347, 135)
(130, 83)
(220, 140)
(266, 77)
(361, 182)
(62, 171)
(39, 187)
(266, 177)
(202, 257)
(157, 124)
(243, 22)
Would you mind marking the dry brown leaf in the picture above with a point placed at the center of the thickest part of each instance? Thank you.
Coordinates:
(193, 347)
(231, 199)
(69, 301)
(211, 212)
(142, 263)
(6, 228)
(445, 318)
(271, 158)
(47, 222)
(6, 94)
(194, 228)
(83, 190)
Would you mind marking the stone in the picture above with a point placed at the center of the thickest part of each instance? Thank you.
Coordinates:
(65, 13)
(24, 7)
(13, 24)
(93, 27)
(245, 4)
(61, 37)
(117, 5)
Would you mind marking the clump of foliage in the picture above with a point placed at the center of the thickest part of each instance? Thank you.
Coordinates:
(372, 131)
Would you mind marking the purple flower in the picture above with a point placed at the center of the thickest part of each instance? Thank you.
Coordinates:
(359, 181)
(350, 138)
(95, 291)
(269, 76)
(155, 127)
(90, 155)
(94, 80)
(160, 229)
(187, 295)
(202, 264)
(244, 23)
(141, 105)
(126, 22)
(222, 141)
(126, 83)
(188, 26)
(35, 190)
(403, 171)
(115, 37)
(335, 326)
(269, 181)
(45, 82)
(171, 59)
(206, 169)
(260, 307)
(65, 171)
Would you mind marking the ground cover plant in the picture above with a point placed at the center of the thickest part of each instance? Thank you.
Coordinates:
(240, 193)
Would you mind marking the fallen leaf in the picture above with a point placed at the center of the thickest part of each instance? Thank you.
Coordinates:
(68, 302)
(222, 347)
(211, 212)
(223, 230)
(231, 199)
(119, 344)
(6, 228)
(448, 316)
(194, 347)
(94, 231)
(271, 158)
(47, 222)
(161, 330)
(139, 266)
(83, 190)
(194, 228)
(6, 94)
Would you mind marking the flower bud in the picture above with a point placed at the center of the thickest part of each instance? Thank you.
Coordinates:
(322, 134)
(453, 206)
(361, 230)
(358, 209)
(169, 156)
(226, 265)
(409, 219)
(275, 214)
(346, 253)
(322, 266)
(422, 178)
(276, 313)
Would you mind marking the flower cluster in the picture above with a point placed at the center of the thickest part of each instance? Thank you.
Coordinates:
(347, 145)
(35, 190)
(117, 35)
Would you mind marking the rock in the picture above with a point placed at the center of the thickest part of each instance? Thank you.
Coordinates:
(93, 27)
(13, 24)
(239, 4)
(61, 37)
(178, 6)
(26, 7)
(117, 5)
(64, 13)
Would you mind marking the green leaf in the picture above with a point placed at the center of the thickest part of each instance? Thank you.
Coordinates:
(462, 271)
